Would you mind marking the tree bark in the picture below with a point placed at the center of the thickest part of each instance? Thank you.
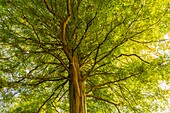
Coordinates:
(76, 88)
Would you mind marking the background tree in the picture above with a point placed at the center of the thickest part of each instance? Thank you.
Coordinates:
(83, 55)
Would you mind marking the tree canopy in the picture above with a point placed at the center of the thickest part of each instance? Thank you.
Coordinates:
(79, 56)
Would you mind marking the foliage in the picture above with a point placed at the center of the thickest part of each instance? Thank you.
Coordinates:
(119, 44)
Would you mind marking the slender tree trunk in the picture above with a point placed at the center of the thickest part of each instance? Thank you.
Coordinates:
(76, 89)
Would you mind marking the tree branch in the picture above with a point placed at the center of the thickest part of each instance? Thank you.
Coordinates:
(49, 8)
(107, 83)
(51, 96)
(109, 52)
(148, 42)
(131, 55)
(58, 57)
(87, 27)
(64, 39)
(34, 30)
(68, 7)
(99, 46)
(105, 100)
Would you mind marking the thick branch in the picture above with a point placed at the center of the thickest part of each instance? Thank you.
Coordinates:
(64, 39)
(68, 7)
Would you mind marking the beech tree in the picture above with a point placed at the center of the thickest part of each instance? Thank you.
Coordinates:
(79, 56)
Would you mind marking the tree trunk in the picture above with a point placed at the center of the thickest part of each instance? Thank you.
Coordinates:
(76, 88)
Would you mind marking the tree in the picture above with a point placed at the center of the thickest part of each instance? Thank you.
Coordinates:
(68, 56)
